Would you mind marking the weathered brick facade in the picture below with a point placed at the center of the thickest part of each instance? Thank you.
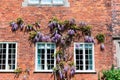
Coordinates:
(95, 12)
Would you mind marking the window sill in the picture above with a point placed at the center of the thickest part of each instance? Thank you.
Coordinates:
(85, 72)
(66, 4)
(7, 71)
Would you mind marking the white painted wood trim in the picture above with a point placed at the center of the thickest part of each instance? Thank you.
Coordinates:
(6, 64)
(93, 66)
(36, 59)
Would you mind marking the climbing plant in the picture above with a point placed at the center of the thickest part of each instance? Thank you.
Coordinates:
(62, 33)
(101, 38)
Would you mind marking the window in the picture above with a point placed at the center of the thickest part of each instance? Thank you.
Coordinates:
(45, 60)
(117, 52)
(84, 57)
(118, 56)
(7, 56)
(46, 2)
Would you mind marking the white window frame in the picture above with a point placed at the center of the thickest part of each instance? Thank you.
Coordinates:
(117, 52)
(86, 71)
(36, 58)
(29, 3)
(7, 70)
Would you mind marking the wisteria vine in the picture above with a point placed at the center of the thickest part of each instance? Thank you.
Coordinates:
(61, 33)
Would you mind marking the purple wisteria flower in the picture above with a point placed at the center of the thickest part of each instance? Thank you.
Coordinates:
(38, 37)
(21, 26)
(50, 25)
(77, 45)
(82, 24)
(60, 27)
(58, 58)
(12, 24)
(61, 75)
(71, 32)
(72, 71)
(54, 23)
(46, 38)
(72, 21)
(89, 39)
(56, 38)
(62, 41)
(102, 46)
(66, 68)
(14, 27)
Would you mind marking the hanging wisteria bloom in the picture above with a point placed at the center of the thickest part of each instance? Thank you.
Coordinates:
(45, 38)
(56, 38)
(71, 32)
(50, 25)
(72, 72)
(89, 39)
(54, 23)
(72, 21)
(21, 26)
(62, 41)
(77, 45)
(38, 37)
(14, 27)
(102, 46)
(60, 27)
(82, 24)
(12, 23)
(58, 58)
(61, 74)
(66, 68)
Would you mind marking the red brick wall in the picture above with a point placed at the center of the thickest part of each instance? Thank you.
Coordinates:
(96, 12)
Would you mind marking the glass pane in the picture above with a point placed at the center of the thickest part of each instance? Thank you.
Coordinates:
(2, 56)
(58, 1)
(86, 46)
(41, 46)
(46, 1)
(11, 56)
(47, 50)
(53, 46)
(33, 1)
(41, 60)
(90, 46)
(88, 57)
(41, 56)
(79, 57)
(50, 58)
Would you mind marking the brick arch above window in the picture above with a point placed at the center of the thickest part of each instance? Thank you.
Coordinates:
(45, 3)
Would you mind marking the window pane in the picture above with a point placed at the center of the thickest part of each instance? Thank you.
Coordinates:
(2, 56)
(45, 56)
(50, 58)
(11, 56)
(34, 1)
(84, 56)
(58, 1)
(88, 57)
(46, 1)
(79, 58)
(41, 56)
